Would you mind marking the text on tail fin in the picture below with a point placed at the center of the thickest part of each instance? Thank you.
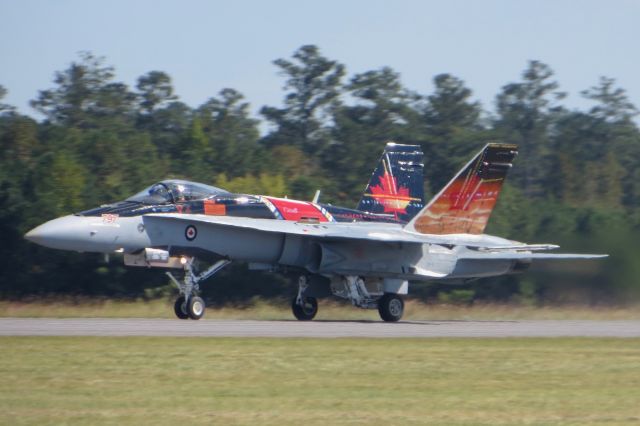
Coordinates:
(396, 186)
(465, 204)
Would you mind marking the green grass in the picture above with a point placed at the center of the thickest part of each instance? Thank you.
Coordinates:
(329, 309)
(56, 380)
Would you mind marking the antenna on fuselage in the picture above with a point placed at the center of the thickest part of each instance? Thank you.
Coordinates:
(316, 197)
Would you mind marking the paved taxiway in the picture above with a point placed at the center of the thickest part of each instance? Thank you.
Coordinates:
(321, 329)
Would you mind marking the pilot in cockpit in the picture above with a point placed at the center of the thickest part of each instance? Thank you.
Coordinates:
(175, 191)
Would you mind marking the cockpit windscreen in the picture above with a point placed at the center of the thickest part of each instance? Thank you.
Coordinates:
(175, 191)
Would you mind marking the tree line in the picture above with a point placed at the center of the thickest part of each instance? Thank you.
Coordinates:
(576, 181)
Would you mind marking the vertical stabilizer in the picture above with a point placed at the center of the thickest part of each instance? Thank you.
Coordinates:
(465, 204)
(396, 185)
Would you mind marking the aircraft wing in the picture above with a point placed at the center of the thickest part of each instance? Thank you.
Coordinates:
(487, 248)
(329, 230)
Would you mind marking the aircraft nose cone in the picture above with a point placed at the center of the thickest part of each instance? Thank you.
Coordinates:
(61, 233)
(35, 235)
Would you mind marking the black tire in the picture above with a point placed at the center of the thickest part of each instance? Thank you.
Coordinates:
(391, 307)
(180, 308)
(307, 311)
(196, 308)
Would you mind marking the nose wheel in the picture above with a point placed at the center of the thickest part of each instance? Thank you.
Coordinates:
(195, 308)
(188, 304)
(180, 308)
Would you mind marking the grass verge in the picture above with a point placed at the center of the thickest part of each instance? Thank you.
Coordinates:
(120, 381)
(329, 309)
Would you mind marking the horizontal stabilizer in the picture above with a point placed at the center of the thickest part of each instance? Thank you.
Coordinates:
(533, 256)
(522, 247)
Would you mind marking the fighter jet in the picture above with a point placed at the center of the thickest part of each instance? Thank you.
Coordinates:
(367, 255)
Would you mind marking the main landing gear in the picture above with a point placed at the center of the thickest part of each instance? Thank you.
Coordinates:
(304, 307)
(189, 304)
(366, 296)
(390, 307)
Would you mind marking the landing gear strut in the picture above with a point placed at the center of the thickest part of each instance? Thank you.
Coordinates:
(304, 307)
(188, 304)
(375, 293)
(370, 295)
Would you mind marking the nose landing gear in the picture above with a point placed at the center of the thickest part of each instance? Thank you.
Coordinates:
(180, 308)
(189, 304)
(195, 308)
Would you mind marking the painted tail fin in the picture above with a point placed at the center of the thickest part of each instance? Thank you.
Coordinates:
(465, 204)
(396, 186)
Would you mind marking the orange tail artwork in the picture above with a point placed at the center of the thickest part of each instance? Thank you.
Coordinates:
(465, 204)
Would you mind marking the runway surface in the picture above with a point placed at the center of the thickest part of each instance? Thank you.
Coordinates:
(317, 329)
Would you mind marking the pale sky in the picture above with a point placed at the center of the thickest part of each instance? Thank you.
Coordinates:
(209, 45)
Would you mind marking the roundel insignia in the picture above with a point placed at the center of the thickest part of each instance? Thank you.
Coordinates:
(190, 233)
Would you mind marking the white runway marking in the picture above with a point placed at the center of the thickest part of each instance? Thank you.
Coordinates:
(318, 329)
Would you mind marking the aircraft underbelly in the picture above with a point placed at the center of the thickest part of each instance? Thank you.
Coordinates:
(300, 252)
(364, 258)
(368, 258)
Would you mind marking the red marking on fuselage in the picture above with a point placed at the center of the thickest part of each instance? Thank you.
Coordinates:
(109, 218)
(297, 210)
(213, 209)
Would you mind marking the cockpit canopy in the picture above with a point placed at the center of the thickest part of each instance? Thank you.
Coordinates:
(175, 191)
